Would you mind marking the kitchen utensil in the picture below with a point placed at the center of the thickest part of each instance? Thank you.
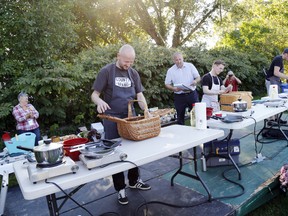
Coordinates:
(68, 145)
(100, 148)
(239, 106)
(47, 154)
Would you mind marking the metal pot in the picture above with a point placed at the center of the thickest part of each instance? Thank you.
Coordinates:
(47, 154)
(239, 106)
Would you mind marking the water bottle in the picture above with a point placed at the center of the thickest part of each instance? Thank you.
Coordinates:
(192, 116)
(203, 163)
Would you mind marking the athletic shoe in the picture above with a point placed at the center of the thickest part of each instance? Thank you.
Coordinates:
(122, 197)
(140, 185)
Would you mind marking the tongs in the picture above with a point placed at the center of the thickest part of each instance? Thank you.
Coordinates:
(97, 144)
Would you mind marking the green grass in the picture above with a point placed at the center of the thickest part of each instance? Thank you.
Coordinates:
(276, 207)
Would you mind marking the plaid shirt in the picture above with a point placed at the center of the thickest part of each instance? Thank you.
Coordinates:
(20, 115)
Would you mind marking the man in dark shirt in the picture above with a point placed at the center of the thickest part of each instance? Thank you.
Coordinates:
(276, 69)
(212, 86)
(119, 83)
(276, 72)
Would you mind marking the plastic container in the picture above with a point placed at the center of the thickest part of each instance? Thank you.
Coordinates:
(284, 88)
(192, 116)
(25, 139)
(72, 142)
(209, 112)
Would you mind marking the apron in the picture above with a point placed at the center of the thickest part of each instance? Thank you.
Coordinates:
(212, 100)
(118, 104)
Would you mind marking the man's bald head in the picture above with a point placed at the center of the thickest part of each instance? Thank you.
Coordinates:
(125, 57)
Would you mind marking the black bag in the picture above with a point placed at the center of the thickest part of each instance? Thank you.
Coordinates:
(273, 133)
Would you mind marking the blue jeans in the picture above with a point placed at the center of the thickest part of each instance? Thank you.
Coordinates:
(36, 131)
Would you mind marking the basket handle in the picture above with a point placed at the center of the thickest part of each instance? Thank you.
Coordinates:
(111, 118)
(130, 114)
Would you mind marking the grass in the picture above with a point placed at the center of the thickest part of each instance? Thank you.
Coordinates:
(276, 207)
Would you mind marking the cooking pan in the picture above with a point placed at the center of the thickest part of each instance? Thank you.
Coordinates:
(96, 149)
(47, 153)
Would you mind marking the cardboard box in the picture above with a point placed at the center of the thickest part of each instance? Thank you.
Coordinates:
(220, 148)
(226, 100)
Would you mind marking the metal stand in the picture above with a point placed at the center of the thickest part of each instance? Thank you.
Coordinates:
(196, 176)
(51, 199)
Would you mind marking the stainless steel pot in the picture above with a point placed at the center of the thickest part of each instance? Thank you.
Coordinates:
(47, 154)
(239, 106)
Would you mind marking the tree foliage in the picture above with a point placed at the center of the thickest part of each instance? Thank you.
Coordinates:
(53, 50)
(165, 23)
(257, 26)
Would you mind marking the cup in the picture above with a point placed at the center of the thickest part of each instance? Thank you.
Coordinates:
(209, 112)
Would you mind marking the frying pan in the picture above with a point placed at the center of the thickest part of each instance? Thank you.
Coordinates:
(96, 149)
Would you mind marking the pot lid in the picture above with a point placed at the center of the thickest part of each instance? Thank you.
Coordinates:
(48, 147)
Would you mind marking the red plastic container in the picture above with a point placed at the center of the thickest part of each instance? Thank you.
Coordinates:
(72, 142)
(209, 112)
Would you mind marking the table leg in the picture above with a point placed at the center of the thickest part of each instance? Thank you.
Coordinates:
(196, 176)
(5, 171)
(52, 205)
(227, 155)
(278, 125)
(4, 189)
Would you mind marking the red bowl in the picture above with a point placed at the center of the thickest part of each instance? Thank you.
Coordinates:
(72, 142)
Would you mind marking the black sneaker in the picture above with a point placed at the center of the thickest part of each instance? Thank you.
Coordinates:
(140, 185)
(122, 197)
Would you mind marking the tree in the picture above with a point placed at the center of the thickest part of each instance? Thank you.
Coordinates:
(36, 43)
(257, 26)
(166, 23)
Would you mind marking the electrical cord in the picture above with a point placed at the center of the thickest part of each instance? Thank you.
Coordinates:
(168, 204)
(67, 195)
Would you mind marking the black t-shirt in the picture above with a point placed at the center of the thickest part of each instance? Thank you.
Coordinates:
(277, 61)
(104, 81)
(207, 80)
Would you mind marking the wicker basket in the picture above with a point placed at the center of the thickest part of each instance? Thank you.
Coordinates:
(136, 127)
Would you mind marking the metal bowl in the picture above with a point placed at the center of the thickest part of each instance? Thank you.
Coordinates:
(239, 106)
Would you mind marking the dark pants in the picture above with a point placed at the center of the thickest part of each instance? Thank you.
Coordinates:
(181, 102)
(36, 131)
(119, 178)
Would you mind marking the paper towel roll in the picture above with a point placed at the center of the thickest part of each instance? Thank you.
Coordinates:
(273, 91)
(200, 114)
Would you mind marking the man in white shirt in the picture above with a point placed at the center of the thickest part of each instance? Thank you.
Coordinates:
(182, 78)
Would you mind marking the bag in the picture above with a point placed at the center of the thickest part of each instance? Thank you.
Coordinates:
(136, 127)
(273, 133)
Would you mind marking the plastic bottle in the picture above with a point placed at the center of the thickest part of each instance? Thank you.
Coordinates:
(192, 116)
(203, 163)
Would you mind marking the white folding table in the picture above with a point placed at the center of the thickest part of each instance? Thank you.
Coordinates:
(257, 113)
(172, 139)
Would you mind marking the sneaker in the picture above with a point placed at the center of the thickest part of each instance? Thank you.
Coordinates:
(140, 185)
(122, 197)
